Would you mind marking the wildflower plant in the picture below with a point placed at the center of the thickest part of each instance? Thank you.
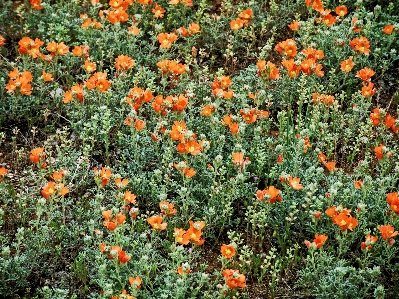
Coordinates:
(198, 149)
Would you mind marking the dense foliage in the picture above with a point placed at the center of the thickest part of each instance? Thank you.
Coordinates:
(199, 149)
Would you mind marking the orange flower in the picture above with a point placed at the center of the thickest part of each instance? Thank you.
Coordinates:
(360, 45)
(166, 40)
(271, 195)
(389, 121)
(188, 172)
(345, 221)
(341, 10)
(109, 223)
(47, 76)
(167, 208)
(62, 190)
(388, 29)
(347, 65)
(238, 158)
(192, 147)
(365, 74)
(234, 128)
(123, 258)
(246, 16)
(3, 171)
(48, 190)
(370, 240)
(62, 49)
(329, 20)
(393, 201)
(195, 232)
(368, 90)
(135, 282)
(58, 175)
(249, 117)
(388, 232)
(120, 218)
(120, 183)
(358, 184)
(287, 47)
(77, 51)
(52, 47)
(207, 110)
(124, 294)
(2, 40)
(313, 54)
(375, 117)
(228, 251)
(330, 166)
(331, 211)
(189, 3)
(25, 89)
(322, 157)
(98, 80)
(234, 279)
(144, 2)
(227, 120)
(36, 4)
(139, 124)
(37, 154)
(90, 66)
(236, 24)
(182, 270)
(267, 69)
(181, 236)
(158, 11)
(157, 222)
(194, 28)
(129, 197)
(317, 214)
(294, 183)
(318, 242)
(104, 175)
(306, 144)
(292, 69)
(294, 25)
(133, 30)
(124, 62)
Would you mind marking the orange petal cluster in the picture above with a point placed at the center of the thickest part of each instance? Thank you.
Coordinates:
(234, 279)
(220, 87)
(157, 222)
(318, 241)
(112, 222)
(51, 188)
(194, 234)
(228, 251)
(368, 244)
(19, 82)
(267, 70)
(166, 40)
(393, 201)
(271, 194)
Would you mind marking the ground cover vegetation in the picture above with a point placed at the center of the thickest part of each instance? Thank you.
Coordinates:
(199, 149)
